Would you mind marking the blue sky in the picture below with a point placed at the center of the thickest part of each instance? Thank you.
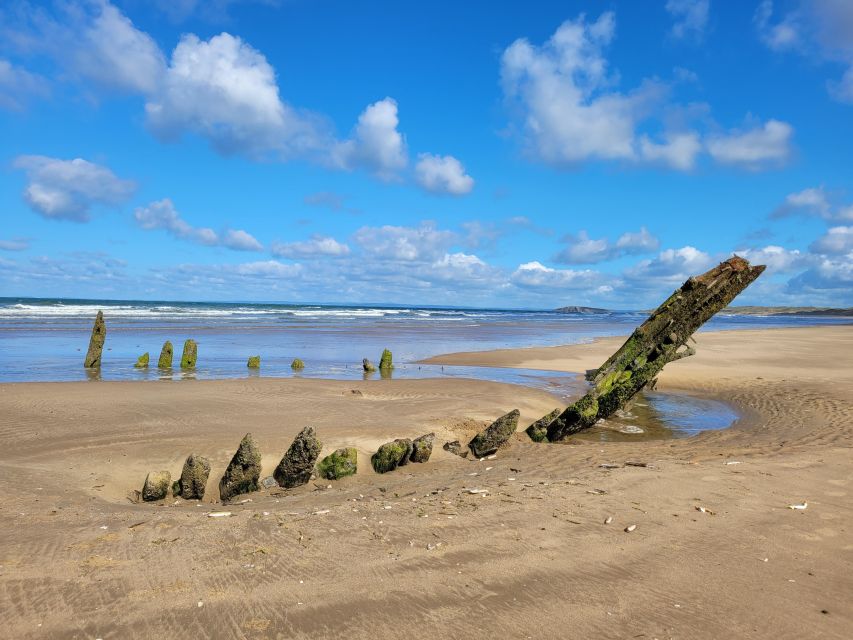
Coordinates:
(479, 153)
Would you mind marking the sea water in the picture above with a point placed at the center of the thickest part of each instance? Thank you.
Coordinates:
(46, 339)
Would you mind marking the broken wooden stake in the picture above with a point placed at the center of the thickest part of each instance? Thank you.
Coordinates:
(658, 341)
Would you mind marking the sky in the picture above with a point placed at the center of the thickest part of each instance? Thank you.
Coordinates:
(497, 154)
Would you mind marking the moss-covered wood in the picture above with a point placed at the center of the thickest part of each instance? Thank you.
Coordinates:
(190, 355)
(661, 339)
(96, 342)
(165, 361)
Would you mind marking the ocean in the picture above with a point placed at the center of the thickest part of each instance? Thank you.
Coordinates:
(46, 339)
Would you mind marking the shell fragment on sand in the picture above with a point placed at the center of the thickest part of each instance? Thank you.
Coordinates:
(630, 528)
(218, 514)
(799, 507)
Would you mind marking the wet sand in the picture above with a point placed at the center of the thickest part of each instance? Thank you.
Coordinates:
(413, 553)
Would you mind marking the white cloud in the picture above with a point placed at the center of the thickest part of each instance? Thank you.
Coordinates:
(690, 17)
(813, 201)
(68, 189)
(317, 247)
(425, 242)
(561, 89)
(756, 148)
(114, 54)
(240, 240)
(778, 259)
(18, 85)
(375, 145)
(670, 266)
(833, 275)
(266, 269)
(163, 215)
(226, 91)
(582, 249)
(536, 275)
(781, 35)
(15, 244)
(679, 150)
(836, 241)
(814, 27)
(462, 268)
(442, 174)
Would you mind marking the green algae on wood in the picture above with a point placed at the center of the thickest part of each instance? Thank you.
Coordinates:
(254, 362)
(243, 471)
(165, 361)
(96, 342)
(538, 431)
(297, 364)
(156, 486)
(661, 339)
(490, 439)
(194, 475)
(297, 464)
(338, 464)
(392, 455)
(190, 355)
(142, 361)
(422, 448)
(385, 361)
(367, 365)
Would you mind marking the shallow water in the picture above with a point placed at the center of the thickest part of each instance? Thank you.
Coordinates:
(45, 340)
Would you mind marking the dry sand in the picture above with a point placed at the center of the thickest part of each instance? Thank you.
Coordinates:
(413, 554)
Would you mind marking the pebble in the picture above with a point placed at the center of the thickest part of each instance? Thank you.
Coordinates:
(630, 528)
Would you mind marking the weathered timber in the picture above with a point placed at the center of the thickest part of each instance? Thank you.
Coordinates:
(661, 339)
(96, 342)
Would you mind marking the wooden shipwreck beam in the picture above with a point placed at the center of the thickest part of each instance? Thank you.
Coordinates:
(658, 341)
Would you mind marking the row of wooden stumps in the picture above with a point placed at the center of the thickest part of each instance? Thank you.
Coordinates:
(296, 468)
(189, 357)
(299, 463)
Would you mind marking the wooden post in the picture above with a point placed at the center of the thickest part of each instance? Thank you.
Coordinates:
(658, 341)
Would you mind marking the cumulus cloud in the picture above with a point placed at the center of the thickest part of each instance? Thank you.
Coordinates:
(317, 247)
(423, 243)
(442, 174)
(678, 150)
(834, 275)
(68, 189)
(836, 241)
(581, 249)
(113, 53)
(690, 17)
(18, 85)
(778, 259)
(815, 202)
(670, 266)
(756, 148)
(375, 145)
(570, 110)
(163, 215)
(561, 89)
(778, 35)
(226, 91)
(536, 275)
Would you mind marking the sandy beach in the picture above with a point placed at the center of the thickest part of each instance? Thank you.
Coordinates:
(414, 553)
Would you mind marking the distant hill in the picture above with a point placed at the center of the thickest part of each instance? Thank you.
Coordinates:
(787, 311)
(581, 310)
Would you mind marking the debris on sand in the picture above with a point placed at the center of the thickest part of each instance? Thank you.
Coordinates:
(799, 507)
(630, 528)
